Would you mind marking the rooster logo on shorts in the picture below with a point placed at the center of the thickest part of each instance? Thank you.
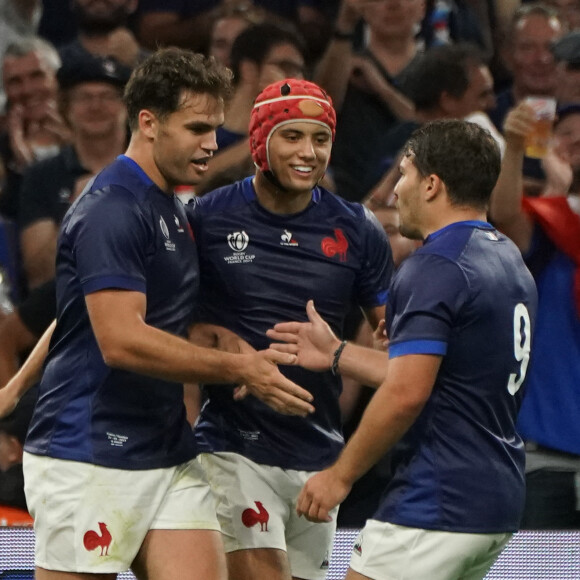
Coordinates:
(251, 517)
(93, 540)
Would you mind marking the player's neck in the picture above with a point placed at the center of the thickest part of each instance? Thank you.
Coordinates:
(276, 200)
(453, 216)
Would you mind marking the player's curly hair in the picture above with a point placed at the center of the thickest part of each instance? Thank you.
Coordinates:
(159, 82)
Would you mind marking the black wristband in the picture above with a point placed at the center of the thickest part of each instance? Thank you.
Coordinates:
(337, 353)
(340, 35)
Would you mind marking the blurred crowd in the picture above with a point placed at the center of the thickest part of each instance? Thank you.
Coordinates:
(389, 66)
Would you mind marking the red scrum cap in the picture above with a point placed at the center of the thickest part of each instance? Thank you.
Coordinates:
(285, 102)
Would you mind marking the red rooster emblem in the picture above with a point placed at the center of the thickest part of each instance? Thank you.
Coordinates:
(331, 246)
(92, 540)
(251, 517)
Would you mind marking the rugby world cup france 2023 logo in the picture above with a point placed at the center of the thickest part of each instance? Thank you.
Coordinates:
(238, 241)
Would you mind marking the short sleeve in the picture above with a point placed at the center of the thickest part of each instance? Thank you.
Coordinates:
(110, 239)
(427, 293)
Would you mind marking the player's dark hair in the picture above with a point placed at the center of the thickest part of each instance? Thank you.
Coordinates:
(159, 82)
(463, 155)
(255, 42)
(442, 69)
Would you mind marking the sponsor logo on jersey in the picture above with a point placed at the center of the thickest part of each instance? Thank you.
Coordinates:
(288, 239)
(325, 562)
(251, 517)
(238, 242)
(336, 246)
(492, 236)
(169, 245)
(102, 540)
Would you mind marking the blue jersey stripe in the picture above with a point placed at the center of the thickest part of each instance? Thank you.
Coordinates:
(417, 347)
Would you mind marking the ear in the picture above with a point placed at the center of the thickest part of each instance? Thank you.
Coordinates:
(433, 187)
(148, 123)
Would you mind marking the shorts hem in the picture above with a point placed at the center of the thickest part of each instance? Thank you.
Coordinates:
(79, 569)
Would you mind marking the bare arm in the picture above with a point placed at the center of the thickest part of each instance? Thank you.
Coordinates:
(506, 200)
(15, 339)
(127, 342)
(335, 66)
(27, 376)
(390, 413)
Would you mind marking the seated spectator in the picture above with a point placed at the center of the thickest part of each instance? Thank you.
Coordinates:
(91, 96)
(102, 31)
(13, 430)
(261, 54)
(35, 129)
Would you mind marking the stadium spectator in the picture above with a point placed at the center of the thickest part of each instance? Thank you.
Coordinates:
(18, 19)
(229, 22)
(528, 53)
(364, 86)
(35, 130)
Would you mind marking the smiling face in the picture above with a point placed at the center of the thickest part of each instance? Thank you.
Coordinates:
(29, 82)
(184, 141)
(298, 155)
(533, 64)
(96, 109)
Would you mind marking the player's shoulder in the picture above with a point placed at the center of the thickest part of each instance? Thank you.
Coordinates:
(333, 203)
(224, 198)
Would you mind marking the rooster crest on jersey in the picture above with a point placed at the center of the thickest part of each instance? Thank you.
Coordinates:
(285, 102)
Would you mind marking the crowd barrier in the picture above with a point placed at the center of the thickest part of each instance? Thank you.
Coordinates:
(529, 556)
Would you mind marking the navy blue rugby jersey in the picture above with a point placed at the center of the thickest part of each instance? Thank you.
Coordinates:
(465, 295)
(123, 232)
(257, 269)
